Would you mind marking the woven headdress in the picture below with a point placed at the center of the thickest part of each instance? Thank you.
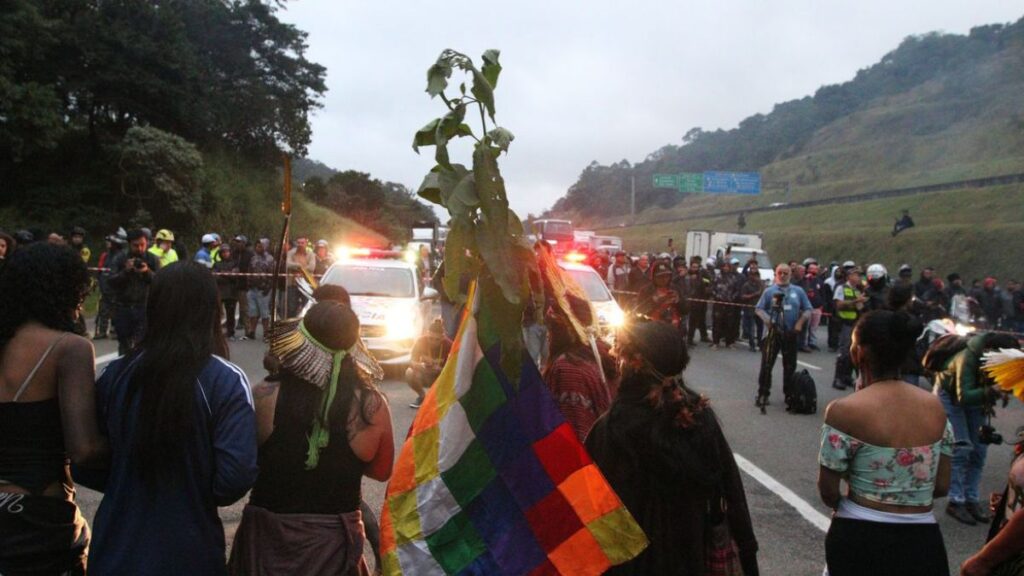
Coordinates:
(309, 359)
(1006, 367)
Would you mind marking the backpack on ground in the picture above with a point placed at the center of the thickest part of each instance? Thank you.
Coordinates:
(804, 399)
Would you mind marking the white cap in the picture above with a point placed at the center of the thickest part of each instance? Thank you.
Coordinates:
(208, 238)
(321, 242)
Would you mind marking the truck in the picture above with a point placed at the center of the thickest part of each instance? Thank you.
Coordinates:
(431, 234)
(557, 233)
(719, 245)
(590, 241)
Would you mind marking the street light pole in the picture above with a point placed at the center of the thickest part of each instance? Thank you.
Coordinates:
(632, 194)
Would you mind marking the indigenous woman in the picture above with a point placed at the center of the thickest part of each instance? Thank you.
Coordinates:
(322, 427)
(662, 450)
(891, 442)
(183, 436)
(47, 411)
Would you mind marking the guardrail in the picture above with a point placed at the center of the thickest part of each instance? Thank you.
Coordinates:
(849, 199)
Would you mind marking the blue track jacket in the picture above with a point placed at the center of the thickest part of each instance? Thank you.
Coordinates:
(141, 531)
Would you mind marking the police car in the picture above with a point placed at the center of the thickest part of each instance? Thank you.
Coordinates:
(390, 300)
(609, 315)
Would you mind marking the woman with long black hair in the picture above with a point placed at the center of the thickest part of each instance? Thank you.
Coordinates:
(47, 411)
(182, 430)
(663, 451)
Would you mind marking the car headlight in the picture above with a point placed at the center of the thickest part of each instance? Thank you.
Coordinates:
(401, 327)
(616, 318)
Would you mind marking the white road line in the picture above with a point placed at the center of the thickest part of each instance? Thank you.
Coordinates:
(811, 514)
(105, 358)
(806, 365)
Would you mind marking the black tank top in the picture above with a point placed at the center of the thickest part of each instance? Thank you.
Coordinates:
(284, 486)
(32, 453)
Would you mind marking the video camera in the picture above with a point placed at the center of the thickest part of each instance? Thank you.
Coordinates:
(777, 299)
(987, 433)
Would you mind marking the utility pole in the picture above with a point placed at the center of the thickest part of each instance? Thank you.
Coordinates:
(632, 194)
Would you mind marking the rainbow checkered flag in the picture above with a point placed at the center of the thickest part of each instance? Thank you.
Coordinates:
(492, 480)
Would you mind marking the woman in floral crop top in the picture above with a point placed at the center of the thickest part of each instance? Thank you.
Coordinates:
(891, 443)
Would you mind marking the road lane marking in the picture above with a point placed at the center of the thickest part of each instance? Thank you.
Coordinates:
(810, 513)
(101, 360)
(806, 365)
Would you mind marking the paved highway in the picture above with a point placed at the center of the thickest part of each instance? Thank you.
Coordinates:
(777, 451)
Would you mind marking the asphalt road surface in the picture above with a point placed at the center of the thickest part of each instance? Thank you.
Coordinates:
(777, 451)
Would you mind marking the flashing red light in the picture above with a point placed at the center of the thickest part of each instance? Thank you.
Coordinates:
(575, 257)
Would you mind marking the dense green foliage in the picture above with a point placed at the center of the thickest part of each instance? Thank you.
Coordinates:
(911, 112)
(107, 109)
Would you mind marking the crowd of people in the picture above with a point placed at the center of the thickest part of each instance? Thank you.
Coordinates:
(124, 269)
(172, 429)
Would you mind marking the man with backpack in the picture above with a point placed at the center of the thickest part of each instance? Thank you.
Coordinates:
(784, 309)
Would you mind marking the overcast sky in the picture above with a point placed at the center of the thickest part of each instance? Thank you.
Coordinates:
(598, 80)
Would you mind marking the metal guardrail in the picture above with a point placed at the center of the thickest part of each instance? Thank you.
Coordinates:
(849, 199)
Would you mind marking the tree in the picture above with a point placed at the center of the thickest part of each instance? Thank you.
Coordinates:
(30, 108)
(161, 172)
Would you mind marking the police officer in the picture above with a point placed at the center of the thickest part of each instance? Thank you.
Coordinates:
(850, 301)
(163, 248)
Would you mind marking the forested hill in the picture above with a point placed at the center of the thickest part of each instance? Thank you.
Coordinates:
(170, 114)
(939, 107)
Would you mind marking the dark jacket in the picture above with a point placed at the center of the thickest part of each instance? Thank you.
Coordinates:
(144, 531)
(639, 279)
(227, 286)
(750, 290)
(667, 477)
(961, 376)
(131, 288)
(725, 287)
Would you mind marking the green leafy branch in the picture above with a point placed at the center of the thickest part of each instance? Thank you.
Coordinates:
(486, 239)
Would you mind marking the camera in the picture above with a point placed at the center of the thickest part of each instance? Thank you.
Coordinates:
(987, 435)
(138, 263)
(777, 299)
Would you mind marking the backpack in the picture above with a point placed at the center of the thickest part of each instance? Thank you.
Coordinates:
(941, 350)
(804, 396)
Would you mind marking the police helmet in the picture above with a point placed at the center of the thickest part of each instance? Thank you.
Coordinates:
(876, 272)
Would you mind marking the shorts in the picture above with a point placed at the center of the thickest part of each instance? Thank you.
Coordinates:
(259, 304)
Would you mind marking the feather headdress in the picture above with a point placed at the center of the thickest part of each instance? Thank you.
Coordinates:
(1006, 367)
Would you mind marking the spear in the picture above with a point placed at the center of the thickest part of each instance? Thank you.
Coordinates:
(286, 208)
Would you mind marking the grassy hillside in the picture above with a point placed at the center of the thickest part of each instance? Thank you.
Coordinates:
(973, 232)
(249, 201)
(936, 109)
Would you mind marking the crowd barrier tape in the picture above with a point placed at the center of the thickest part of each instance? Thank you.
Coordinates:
(1018, 335)
(229, 274)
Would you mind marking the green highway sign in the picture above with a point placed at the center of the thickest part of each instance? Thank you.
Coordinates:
(691, 182)
(683, 182)
(666, 181)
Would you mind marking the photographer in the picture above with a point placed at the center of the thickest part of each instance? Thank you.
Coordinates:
(132, 274)
(784, 309)
(968, 396)
(427, 359)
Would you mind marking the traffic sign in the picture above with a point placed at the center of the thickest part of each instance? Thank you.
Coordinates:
(683, 182)
(691, 182)
(666, 181)
(732, 182)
